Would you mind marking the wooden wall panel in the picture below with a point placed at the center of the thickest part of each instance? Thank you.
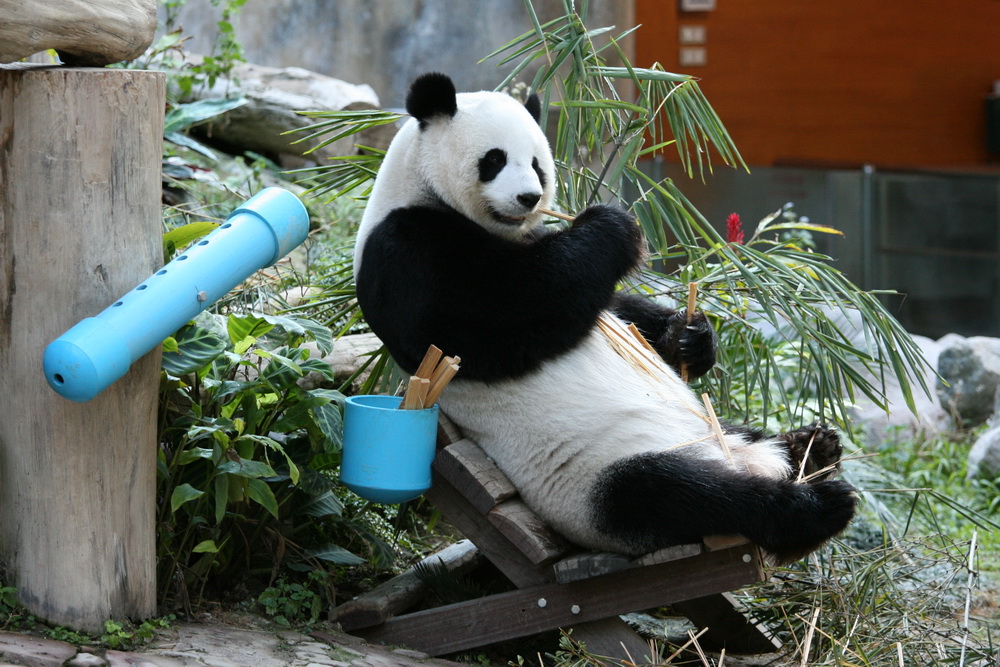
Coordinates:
(892, 83)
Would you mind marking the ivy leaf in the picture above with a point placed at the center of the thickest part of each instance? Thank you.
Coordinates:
(183, 494)
(247, 468)
(325, 504)
(197, 347)
(182, 236)
(205, 547)
(261, 493)
(242, 326)
(332, 553)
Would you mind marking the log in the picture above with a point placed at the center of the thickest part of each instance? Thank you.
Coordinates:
(403, 591)
(84, 32)
(80, 225)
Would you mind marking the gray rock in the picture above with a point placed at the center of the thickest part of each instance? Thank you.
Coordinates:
(930, 418)
(274, 96)
(984, 457)
(971, 369)
(84, 659)
(34, 651)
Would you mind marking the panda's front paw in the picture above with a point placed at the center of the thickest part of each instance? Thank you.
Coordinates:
(611, 229)
(688, 344)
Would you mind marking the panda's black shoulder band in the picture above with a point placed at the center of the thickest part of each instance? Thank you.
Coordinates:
(432, 94)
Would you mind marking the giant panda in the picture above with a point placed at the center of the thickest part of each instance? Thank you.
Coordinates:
(452, 251)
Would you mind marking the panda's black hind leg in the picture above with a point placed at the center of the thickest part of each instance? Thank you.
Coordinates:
(820, 449)
(655, 500)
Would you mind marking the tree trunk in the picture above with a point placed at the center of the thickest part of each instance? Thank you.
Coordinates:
(79, 226)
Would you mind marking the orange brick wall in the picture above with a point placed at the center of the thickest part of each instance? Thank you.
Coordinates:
(890, 82)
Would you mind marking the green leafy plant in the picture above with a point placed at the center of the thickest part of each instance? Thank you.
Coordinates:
(245, 450)
(292, 603)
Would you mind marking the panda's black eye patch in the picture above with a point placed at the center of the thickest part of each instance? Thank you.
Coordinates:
(538, 170)
(491, 164)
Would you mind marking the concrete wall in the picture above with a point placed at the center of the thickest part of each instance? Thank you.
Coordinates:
(386, 43)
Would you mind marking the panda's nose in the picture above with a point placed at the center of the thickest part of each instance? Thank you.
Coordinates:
(528, 199)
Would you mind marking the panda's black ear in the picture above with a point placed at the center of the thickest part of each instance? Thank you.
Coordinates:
(432, 94)
(534, 107)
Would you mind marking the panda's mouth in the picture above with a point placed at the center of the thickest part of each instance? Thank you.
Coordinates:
(506, 219)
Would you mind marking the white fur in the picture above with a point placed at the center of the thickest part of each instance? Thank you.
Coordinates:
(555, 430)
(443, 161)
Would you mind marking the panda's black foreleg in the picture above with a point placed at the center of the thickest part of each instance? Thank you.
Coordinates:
(655, 500)
(668, 331)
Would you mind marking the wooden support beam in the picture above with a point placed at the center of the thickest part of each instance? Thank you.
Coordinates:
(401, 592)
(80, 225)
(497, 548)
(531, 610)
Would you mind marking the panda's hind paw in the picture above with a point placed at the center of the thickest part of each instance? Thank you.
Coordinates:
(821, 449)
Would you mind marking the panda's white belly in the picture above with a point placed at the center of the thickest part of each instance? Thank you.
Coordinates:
(553, 431)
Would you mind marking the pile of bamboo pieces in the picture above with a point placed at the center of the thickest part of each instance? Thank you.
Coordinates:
(432, 376)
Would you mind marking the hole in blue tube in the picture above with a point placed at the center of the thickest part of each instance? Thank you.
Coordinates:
(202, 242)
(226, 226)
(115, 305)
(140, 287)
(181, 258)
(161, 272)
(58, 379)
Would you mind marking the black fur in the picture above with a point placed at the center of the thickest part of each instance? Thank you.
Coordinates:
(538, 172)
(669, 333)
(430, 275)
(696, 498)
(432, 94)
(534, 107)
(491, 164)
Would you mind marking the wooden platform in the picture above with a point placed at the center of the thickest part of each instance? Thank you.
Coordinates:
(558, 585)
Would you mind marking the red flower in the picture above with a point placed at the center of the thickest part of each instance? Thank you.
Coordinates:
(734, 228)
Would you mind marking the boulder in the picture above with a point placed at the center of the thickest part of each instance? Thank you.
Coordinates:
(898, 422)
(984, 457)
(971, 369)
(84, 32)
(274, 96)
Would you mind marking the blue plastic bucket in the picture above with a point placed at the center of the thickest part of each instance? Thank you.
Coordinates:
(387, 451)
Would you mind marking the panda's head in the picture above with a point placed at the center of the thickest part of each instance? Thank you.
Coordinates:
(483, 154)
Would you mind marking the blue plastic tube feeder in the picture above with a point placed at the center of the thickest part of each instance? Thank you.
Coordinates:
(98, 350)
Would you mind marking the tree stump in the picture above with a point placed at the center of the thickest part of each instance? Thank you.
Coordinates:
(80, 225)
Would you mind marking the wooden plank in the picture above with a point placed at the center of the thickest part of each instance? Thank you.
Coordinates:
(586, 565)
(474, 474)
(717, 542)
(669, 553)
(80, 225)
(403, 591)
(519, 524)
(448, 431)
(528, 611)
(727, 626)
(474, 525)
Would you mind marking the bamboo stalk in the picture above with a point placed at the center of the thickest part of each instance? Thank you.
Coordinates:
(432, 375)
(429, 362)
(692, 295)
(717, 426)
(556, 214)
(439, 383)
(805, 458)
